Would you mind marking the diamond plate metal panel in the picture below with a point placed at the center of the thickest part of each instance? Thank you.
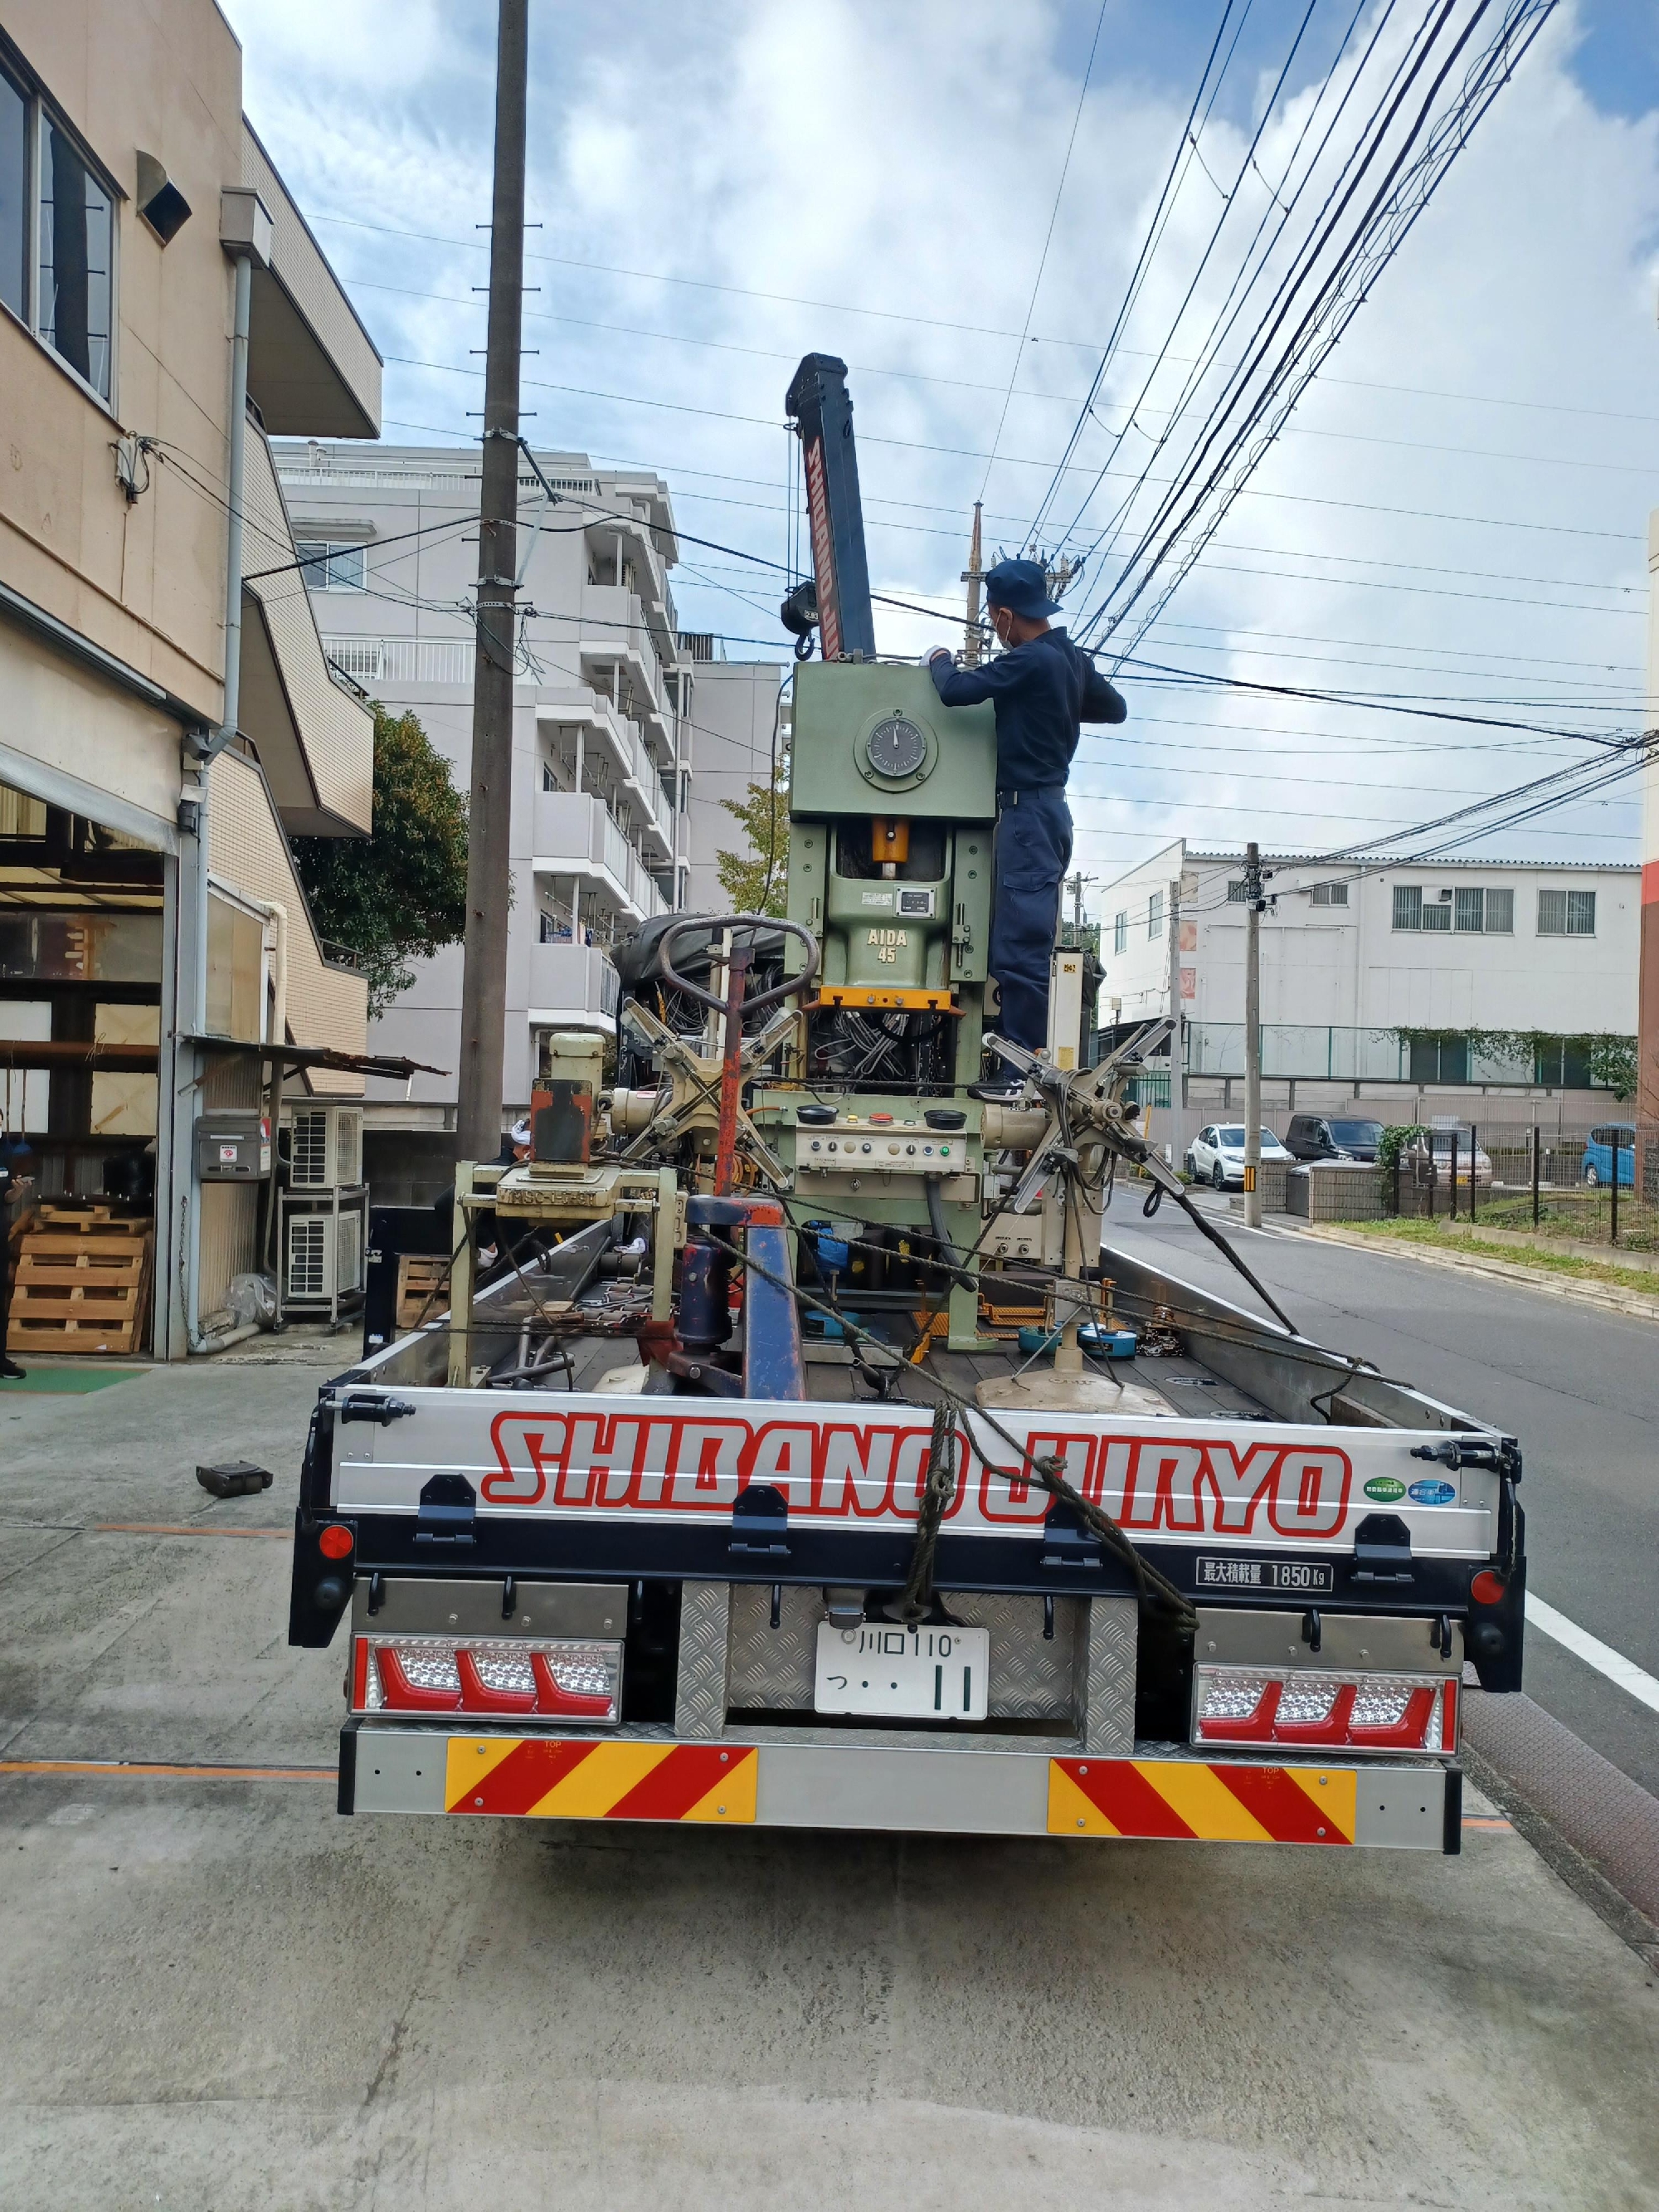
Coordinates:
(700, 1681)
(772, 1669)
(1031, 1677)
(1105, 1674)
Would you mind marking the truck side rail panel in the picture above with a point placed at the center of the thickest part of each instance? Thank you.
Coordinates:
(1297, 1378)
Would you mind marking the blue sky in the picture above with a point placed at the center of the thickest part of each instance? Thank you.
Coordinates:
(1458, 508)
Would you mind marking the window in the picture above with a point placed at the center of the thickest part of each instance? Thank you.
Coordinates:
(1323, 895)
(553, 930)
(1500, 914)
(1120, 933)
(331, 568)
(13, 194)
(1407, 906)
(1239, 891)
(76, 244)
(1561, 1064)
(1439, 1060)
(1155, 915)
(46, 188)
(1566, 914)
(1468, 908)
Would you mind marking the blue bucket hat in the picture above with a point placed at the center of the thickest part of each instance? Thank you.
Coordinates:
(1022, 587)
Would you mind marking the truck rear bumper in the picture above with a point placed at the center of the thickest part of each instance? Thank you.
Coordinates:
(954, 1789)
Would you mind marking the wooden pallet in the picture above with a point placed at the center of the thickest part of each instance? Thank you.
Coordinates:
(82, 1288)
(422, 1290)
(90, 1221)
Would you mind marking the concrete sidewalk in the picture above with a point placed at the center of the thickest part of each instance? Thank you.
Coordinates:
(220, 1996)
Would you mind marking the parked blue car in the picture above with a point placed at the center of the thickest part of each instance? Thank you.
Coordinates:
(1599, 1151)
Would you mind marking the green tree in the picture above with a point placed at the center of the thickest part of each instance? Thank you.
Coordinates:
(757, 882)
(401, 892)
(1612, 1061)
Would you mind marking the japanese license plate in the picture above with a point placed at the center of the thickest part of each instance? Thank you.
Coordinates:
(1317, 1576)
(913, 1673)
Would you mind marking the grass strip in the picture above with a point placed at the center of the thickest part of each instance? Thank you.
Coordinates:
(1572, 1265)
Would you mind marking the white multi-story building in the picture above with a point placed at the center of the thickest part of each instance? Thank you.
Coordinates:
(1648, 1024)
(741, 730)
(1400, 975)
(606, 709)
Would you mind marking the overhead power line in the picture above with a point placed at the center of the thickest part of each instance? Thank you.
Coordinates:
(921, 322)
(1228, 198)
(1372, 208)
(1048, 242)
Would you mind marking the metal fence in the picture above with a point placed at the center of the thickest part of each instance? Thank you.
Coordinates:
(1591, 1183)
(1308, 1052)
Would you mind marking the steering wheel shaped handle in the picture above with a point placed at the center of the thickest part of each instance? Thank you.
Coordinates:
(758, 1001)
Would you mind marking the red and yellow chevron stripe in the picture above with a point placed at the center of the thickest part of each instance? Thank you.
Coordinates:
(1192, 1802)
(546, 1778)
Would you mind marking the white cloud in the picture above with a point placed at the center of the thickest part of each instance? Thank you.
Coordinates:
(902, 163)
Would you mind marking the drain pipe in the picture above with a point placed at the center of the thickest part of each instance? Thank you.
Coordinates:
(245, 232)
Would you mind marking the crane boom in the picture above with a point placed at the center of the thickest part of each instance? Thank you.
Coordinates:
(822, 408)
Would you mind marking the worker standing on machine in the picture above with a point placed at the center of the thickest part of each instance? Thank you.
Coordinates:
(1042, 687)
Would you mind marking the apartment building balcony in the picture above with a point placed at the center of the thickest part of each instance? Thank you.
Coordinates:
(623, 742)
(402, 659)
(627, 544)
(613, 632)
(576, 836)
(572, 987)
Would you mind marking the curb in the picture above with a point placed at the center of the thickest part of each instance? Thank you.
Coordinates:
(1633, 1304)
(1585, 1817)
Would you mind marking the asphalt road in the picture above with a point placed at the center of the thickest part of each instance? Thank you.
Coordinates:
(217, 1994)
(1578, 1385)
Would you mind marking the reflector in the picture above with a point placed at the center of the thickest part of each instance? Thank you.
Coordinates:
(1488, 1588)
(1358, 1712)
(336, 1541)
(562, 1679)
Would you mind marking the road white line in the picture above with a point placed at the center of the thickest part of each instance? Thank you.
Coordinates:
(1590, 1649)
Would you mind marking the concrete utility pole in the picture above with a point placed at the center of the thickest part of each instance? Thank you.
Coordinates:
(483, 993)
(973, 641)
(1074, 884)
(1177, 1099)
(1253, 1035)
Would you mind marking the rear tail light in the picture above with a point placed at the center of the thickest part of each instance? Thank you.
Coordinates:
(545, 1678)
(1348, 1712)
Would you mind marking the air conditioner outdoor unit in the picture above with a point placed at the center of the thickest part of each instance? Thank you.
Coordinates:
(326, 1153)
(323, 1257)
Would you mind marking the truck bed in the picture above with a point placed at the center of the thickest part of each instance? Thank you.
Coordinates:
(1326, 1523)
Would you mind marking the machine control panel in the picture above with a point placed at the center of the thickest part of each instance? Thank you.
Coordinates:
(879, 1141)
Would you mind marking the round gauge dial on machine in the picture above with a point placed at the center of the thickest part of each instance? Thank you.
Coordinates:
(896, 746)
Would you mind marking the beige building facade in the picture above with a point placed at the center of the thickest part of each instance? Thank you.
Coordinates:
(155, 942)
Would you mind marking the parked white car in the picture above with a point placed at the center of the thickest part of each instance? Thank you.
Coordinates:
(1216, 1155)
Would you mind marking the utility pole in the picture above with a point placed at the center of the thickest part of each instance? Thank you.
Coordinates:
(484, 991)
(973, 640)
(1074, 884)
(1253, 1035)
(1176, 1081)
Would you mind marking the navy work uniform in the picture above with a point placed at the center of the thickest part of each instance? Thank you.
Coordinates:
(1041, 689)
